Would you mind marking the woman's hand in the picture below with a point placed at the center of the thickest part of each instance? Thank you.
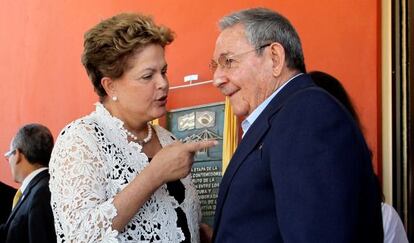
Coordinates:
(170, 163)
(175, 160)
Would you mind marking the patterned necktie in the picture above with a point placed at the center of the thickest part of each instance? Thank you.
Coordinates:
(16, 198)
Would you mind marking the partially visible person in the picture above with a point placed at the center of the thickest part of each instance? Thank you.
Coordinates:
(6, 196)
(302, 171)
(394, 231)
(31, 219)
(335, 88)
(114, 176)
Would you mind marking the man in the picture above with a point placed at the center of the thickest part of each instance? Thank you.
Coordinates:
(6, 194)
(302, 172)
(31, 219)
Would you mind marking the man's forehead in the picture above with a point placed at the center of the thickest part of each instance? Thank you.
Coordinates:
(233, 33)
(230, 40)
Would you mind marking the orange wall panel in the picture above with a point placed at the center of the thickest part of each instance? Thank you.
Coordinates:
(41, 42)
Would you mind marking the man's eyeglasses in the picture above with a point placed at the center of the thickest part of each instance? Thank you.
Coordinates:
(9, 153)
(227, 61)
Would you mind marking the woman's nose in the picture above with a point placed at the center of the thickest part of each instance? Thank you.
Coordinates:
(162, 82)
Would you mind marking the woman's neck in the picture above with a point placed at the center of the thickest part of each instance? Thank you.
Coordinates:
(136, 126)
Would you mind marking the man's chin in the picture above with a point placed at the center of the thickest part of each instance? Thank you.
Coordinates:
(239, 106)
(239, 111)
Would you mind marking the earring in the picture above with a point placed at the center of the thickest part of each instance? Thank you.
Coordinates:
(114, 98)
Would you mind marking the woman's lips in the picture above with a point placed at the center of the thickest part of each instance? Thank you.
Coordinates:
(162, 100)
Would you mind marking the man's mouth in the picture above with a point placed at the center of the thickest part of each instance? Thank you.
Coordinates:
(229, 93)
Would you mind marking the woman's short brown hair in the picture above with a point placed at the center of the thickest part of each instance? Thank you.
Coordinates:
(108, 45)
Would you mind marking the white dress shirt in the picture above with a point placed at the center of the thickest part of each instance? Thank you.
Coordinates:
(394, 231)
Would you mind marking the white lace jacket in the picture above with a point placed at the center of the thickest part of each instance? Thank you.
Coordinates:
(91, 162)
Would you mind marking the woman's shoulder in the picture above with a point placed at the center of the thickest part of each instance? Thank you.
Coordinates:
(80, 126)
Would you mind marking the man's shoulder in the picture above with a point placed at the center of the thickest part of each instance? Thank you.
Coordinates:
(310, 106)
(313, 98)
(310, 93)
(40, 184)
(39, 195)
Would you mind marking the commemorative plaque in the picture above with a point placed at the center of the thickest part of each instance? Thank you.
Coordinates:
(196, 124)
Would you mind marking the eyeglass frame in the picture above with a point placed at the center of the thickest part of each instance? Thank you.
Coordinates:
(225, 58)
(9, 153)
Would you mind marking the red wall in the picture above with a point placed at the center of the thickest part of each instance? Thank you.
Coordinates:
(42, 79)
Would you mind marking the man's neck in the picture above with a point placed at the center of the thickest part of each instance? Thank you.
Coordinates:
(30, 177)
(27, 170)
(284, 77)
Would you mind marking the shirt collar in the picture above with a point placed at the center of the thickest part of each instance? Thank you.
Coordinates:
(256, 113)
(28, 178)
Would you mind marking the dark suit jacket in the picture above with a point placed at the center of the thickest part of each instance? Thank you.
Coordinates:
(302, 173)
(32, 218)
(6, 196)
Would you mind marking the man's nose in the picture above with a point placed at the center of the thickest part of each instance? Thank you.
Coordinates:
(219, 81)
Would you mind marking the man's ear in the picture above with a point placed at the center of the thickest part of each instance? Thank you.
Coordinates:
(109, 86)
(278, 58)
(19, 156)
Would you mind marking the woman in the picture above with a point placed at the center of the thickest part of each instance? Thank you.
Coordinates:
(104, 187)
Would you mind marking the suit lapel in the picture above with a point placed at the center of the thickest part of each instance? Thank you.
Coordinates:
(255, 133)
(26, 193)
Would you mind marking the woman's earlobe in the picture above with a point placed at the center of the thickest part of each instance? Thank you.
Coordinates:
(108, 85)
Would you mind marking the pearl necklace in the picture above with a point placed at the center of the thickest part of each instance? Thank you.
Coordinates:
(135, 138)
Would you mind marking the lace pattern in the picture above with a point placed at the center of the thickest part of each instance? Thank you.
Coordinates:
(91, 162)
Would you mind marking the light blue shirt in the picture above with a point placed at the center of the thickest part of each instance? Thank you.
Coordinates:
(256, 113)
